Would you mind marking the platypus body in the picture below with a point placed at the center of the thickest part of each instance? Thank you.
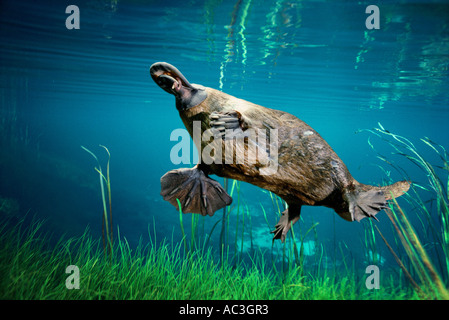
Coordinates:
(269, 148)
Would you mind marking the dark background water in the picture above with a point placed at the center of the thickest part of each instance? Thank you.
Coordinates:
(65, 88)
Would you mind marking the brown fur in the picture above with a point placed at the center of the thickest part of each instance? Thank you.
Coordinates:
(305, 174)
(309, 171)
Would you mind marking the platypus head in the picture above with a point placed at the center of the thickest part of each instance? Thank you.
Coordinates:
(171, 80)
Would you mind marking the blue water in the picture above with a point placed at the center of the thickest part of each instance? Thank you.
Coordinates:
(317, 60)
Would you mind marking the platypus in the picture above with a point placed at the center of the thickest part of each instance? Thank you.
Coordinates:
(268, 148)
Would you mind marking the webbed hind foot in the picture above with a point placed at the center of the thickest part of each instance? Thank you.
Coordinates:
(196, 192)
(365, 204)
(287, 220)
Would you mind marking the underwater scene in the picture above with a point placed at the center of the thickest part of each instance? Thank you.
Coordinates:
(104, 103)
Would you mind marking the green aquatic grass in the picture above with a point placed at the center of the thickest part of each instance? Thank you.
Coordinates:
(106, 225)
(417, 265)
(432, 286)
(31, 269)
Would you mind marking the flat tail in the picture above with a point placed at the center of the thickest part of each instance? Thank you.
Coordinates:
(395, 190)
(365, 201)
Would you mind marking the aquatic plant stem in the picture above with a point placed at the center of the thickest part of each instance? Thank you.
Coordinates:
(105, 224)
(223, 222)
(108, 183)
(422, 253)
(105, 214)
(182, 226)
(401, 265)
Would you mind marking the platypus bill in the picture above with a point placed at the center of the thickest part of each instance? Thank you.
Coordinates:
(308, 171)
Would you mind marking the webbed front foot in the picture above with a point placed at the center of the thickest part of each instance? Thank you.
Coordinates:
(196, 192)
